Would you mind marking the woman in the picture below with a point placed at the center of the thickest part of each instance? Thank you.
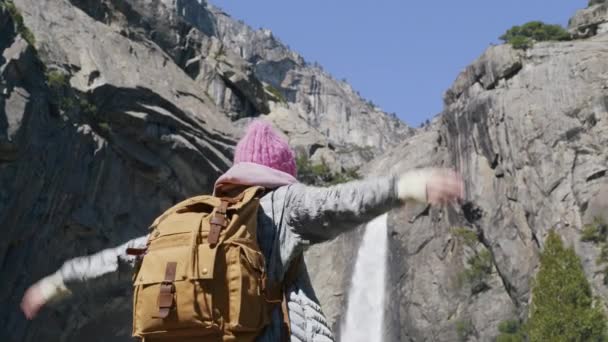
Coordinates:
(293, 216)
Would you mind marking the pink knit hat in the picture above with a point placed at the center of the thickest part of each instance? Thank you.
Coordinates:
(262, 145)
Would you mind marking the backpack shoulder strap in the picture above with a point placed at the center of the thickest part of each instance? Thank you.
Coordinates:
(290, 277)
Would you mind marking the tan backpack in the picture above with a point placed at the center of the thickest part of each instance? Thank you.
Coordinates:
(203, 274)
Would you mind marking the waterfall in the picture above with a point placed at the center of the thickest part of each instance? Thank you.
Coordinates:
(365, 308)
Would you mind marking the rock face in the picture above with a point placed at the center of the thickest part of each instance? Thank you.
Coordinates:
(532, 147)
(88, 158)
(356, 130)
(120, 108)
(249, 73)
(529, 132)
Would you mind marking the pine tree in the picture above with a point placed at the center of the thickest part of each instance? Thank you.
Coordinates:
(563, 308)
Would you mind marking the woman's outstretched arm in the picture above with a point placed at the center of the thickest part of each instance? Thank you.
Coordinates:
(318, 214)
(80, 275)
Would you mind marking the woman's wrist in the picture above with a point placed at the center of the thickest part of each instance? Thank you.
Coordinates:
(411, 185)
(52, 287)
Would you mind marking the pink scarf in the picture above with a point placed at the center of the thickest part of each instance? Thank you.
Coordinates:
(250, 174)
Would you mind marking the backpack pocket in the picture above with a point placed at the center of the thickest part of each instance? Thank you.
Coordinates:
(245, 283)
(190, 306)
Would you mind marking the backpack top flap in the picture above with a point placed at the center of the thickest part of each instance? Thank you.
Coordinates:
(198, 202)
(182, 233)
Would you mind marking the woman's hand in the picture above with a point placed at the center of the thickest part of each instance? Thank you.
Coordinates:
(33, 301)
(444, 186)
(433, 186)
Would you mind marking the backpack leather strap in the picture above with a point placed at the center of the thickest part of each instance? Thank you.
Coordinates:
(136, 251)
(218, 222)
(167, 289)
(286, 331)
(289, 278)
(276, 293)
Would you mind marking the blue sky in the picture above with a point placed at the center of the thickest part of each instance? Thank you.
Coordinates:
(401, 54)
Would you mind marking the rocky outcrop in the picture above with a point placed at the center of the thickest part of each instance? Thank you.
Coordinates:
(591, 20)
(355, 129)
(496, 64)
(220, 73)
(528, 130)
(247, 72)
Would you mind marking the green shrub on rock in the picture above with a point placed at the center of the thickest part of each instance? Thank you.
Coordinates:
(595, 2)
(320, 174)
(464, 329)
(479, 269)
(524, 36)
(597, 233)
(23, 30)
(510, 331)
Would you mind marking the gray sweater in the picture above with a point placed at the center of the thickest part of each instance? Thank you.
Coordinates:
(292, 218)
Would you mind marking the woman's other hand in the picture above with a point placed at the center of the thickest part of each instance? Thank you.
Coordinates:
(433, 186)
(33, 301)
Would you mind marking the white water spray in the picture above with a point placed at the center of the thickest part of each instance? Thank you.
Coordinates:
(365, 308)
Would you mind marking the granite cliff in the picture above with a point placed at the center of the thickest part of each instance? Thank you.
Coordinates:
(112, 110)
(528, 129)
